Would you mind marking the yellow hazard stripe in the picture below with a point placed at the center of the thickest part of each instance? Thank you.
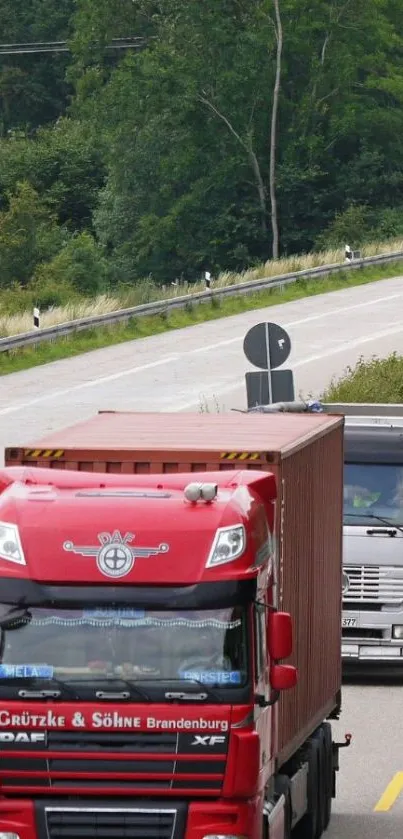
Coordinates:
(44, 453)
(239, 455)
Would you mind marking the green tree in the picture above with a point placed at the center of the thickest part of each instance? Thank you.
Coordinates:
(188, 128)
(28, 235)
(33, 89)
(239, 130)
(188, 123)
(64, 163)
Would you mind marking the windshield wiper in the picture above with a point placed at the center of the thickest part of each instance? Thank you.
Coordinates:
(113, 692)
(389, 522)
(183, 696)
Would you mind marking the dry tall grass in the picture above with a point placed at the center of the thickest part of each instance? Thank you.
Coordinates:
(147, 291)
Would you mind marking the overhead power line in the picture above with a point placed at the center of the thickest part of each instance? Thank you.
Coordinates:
(63, 46)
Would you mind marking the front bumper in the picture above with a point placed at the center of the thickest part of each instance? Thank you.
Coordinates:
(368, 636)
(166, 818)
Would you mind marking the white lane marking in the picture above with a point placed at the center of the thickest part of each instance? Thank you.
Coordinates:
(201, 396)
(308, 360)
(94, 383)
(302, 321)
(169, 359)
(349, 345)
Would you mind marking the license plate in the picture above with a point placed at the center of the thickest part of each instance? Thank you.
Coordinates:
(348, 622)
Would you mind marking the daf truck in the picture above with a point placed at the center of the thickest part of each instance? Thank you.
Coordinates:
(170, 612)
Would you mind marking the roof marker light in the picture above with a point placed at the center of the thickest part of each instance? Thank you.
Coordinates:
(10, 544)
(209, 492)
(196, 492)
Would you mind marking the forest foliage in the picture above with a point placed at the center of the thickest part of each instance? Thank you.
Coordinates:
(117, 165)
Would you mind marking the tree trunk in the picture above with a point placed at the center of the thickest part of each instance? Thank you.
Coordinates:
(260, 188)
(273, 136)
(248, 147)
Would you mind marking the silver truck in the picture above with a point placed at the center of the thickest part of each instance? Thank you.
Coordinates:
(372, 589)
(372, 622)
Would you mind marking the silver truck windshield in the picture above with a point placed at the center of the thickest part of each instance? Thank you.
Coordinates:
(208, 646)
(373, 489)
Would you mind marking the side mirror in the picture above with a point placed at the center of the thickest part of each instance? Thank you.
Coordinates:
(279, 635)
(283, 677)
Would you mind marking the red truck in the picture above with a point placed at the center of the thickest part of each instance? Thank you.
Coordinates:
(170, 618)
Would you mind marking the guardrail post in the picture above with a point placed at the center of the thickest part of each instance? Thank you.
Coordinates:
(350, 254)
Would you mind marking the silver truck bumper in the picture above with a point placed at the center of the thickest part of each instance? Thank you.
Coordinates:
(366, 652)
(368, 636)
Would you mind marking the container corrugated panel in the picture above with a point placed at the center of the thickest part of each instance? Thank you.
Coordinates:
(311, 483)
(305, 452)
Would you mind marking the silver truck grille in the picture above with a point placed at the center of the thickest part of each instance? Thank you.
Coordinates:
(372, 583)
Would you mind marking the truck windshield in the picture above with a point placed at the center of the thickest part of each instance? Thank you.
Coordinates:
(112, 643)
(373, 489)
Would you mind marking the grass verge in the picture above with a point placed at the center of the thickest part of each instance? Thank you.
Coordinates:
(62, 302)
(91, 339)
(374, 380)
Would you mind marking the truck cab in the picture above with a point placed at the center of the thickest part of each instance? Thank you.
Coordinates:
(372, 621)
(139, 667)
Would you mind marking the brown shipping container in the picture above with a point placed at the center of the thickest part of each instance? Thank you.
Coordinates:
(305, 452)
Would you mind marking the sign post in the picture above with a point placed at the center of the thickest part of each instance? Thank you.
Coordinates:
(267, 346)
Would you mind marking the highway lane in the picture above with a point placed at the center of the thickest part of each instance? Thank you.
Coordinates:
(205, 364)
(372, 713)
(179, 370)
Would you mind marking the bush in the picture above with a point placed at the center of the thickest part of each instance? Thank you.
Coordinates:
(376, 380)
(80, 265)
(360, 224)
(352, 227)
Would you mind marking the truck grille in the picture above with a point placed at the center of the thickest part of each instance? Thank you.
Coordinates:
(108, 823)
(88, 763)
(372, 584)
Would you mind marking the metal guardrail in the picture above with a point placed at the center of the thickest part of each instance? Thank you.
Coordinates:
(159, 306)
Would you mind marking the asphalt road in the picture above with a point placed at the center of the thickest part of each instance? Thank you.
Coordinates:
(200, 365)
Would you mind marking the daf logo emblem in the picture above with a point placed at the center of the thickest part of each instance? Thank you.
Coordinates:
(116, 557)
(32, 738)
(345, 583)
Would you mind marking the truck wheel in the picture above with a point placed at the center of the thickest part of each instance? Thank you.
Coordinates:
(328, 773)
(310, 826)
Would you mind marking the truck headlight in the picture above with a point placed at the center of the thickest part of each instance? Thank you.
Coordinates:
(397, 632)
(10, 545)
(229, 544)
(9, 835)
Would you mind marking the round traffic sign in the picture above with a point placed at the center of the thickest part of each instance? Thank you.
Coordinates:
(256, 349)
